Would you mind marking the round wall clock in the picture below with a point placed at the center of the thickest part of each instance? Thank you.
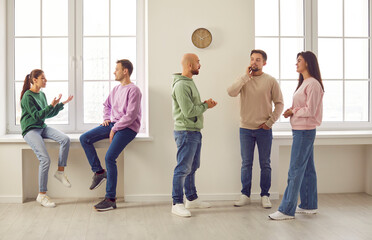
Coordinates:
(201, 38)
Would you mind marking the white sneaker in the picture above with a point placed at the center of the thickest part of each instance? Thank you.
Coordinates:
(197, 203)
(280, 216)
(306, 211)
(243, 200)
(61, 176)
(44, 200)
(265, 201)
(180, 210)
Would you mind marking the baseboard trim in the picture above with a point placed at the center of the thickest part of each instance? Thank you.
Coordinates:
(205, 197)
(160, 197)
(11, 199)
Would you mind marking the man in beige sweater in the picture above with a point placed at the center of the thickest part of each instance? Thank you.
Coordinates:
(258, 91)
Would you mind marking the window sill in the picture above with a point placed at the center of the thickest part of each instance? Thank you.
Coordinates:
(17, 138)
(328, 134)
(14, 138)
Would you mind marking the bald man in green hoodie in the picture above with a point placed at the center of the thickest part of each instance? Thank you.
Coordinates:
(188, 112)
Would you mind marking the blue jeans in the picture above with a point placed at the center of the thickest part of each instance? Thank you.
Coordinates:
(119, 142)
(188, 161)
(248, 140)
(301, 174)
(34, 138)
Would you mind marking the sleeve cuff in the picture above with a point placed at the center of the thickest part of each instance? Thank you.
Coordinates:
(61, 106)
(269, 124)
(114, 129)
(294, 110)
(206, 106)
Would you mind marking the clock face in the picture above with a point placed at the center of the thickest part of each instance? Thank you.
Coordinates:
(201, 38)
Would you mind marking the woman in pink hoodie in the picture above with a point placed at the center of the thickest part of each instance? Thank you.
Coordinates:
(306, 114)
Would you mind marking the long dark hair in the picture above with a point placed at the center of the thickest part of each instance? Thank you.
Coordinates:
(28, 80)
(312, 68)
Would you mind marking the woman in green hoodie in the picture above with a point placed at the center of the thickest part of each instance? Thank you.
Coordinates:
(35, 110)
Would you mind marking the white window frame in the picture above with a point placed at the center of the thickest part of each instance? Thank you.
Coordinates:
(311, 44)
(75, 81)
(345, 125)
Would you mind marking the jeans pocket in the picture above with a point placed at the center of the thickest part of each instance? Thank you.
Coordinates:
(193, 136)
(179, 137)
(310, 134)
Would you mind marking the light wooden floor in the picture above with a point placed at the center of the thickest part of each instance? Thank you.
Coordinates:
(341, 216)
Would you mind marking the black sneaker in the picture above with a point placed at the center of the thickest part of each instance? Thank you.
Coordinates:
(98, 179)
(105, 205)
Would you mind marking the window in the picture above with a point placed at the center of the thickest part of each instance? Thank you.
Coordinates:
(77, 44)
(343, 49)
(41, 44)
(341, 40)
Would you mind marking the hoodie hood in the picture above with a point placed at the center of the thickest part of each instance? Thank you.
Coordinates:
(178, 77)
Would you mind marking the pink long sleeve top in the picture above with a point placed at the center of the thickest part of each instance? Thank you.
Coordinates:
(123, 107)
(307, 106)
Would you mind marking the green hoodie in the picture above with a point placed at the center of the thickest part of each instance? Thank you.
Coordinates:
(188, 109)
(35, 110)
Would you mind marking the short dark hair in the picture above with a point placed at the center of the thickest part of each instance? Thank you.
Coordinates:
(262, 52)
(125, 63)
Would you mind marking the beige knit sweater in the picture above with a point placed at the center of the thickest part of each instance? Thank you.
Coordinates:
(256, 97)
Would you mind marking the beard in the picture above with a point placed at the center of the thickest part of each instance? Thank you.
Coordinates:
(255, 69)
(195, 72)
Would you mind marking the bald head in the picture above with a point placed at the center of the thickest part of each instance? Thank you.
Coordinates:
(190, 64)
(189, 58)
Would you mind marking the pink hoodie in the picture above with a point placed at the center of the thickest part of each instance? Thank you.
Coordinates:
(123, 106)
(307, 106)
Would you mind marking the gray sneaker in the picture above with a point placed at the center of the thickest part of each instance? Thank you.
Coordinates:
(105, 205)
(98, 179)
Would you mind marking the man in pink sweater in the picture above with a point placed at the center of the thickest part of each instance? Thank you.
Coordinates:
(258, 91)
(121, 123)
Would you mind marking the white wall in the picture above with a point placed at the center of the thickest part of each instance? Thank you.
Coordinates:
(148, 165)
(339, 168)
(77, 170)
(368, 180)
(2, 65)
